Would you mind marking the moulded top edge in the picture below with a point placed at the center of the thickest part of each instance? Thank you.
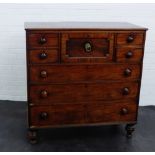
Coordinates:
(82, 25)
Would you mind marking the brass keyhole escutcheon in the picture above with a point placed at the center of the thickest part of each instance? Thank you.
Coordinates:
(88, 47)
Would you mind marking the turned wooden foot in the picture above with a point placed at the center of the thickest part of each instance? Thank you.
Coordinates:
(32, 136)
(129, 130)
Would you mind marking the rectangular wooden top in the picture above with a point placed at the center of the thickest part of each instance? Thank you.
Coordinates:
(82, 26)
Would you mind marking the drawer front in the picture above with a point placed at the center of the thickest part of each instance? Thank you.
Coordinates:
(43, 56)
(40, 116)
(118, 112)
(69, 114)
(37, 40)
(130, 38)
(74, 93)
(87, 73)
(87, 47)
(72, 114)
(57, 115)
(129, 54)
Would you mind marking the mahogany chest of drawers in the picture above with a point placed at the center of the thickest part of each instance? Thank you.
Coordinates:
(81, 73)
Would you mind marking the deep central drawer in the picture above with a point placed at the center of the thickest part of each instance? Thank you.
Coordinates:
(87, 47)
(61, 93)
(87, 73)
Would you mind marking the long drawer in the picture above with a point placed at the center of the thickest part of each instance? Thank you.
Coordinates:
(61, 93)
(70, 114)
(72, 73)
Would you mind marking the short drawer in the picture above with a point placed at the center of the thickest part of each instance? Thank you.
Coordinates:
(37, 40)
(43, 56)
(83, 73)
(114, 113)
(64, 93)
(130, 38)
(57, 115)
(129, 54)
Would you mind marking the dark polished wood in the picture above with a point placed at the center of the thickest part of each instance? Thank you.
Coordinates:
(82, 73)
(58, 93)
(112, 113)
(129, 54)
(75, 47)
(130, 38)
(40, 40)
(43, 56)
(83, 113)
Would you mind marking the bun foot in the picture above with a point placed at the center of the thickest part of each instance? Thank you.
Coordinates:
(32, 136)
(129, 130)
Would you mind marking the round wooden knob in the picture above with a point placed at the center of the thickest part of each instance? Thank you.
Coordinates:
(129, 54)
(43, 74)
(42, 40)
(44, 94)
(130, 39)
(43, 115)
(127, 72)
(124, 111)
(43, 55)
(126, 91)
